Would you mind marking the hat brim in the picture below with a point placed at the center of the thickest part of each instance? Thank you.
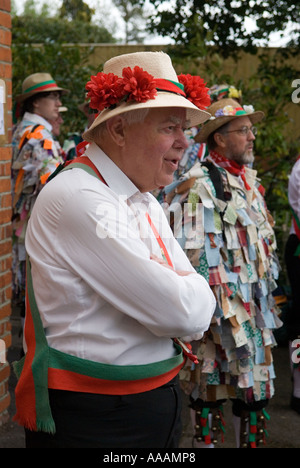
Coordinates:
(23, 97)
(195, 116)
(217, 122)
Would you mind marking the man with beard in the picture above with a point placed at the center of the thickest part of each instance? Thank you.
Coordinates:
(227, 234)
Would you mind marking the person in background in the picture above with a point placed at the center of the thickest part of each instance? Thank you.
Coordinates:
(105, 338)
(218, 92)
(90, 113)
(227, 233)
(56, 124)
(35, 156)
(292, 261)
(75, 138)
(196, 151)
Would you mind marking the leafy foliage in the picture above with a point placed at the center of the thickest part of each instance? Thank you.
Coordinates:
(38, 45)
(41, 29)
(222, 24)
(76, 10)
(133, 15)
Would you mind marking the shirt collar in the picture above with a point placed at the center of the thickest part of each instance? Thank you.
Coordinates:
(117, 181)
(35, 118)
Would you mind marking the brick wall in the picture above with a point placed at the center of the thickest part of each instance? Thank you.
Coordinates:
(5, 202)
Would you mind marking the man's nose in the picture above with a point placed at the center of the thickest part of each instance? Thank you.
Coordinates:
(182, 139)
(251, 135)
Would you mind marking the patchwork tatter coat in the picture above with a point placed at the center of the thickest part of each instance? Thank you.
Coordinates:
(227, 233)
(36, 154)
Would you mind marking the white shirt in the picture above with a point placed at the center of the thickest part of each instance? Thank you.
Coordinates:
(294, 191)
(99, 294)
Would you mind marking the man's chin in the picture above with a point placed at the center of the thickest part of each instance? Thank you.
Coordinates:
(249, 157)
(167, 180)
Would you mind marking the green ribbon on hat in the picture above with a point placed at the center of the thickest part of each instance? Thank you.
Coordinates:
(39, 85)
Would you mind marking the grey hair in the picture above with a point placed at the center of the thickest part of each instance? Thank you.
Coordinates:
(131, 117)
(136, 116)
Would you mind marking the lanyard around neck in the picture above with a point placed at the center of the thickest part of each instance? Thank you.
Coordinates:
(85, 161)
(163, 248)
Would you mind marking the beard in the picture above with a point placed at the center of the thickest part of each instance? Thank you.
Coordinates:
(242, 158)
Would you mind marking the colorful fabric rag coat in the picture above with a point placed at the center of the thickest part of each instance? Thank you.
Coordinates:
(227, 233)
(35, 156)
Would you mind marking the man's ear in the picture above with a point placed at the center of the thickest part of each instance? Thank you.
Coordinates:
(116, 129)
(35, 104)
(220, 139)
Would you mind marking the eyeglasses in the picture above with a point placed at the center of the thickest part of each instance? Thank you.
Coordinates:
(244, 131)
(56, 96)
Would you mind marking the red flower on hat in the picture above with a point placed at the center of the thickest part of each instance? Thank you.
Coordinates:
(195, 90)
(138, 84)
(104, 90)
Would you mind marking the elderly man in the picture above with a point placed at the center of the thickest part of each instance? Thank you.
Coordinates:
(227, 233)
(111, 295)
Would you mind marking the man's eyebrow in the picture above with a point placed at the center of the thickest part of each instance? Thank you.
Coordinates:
(177, 121)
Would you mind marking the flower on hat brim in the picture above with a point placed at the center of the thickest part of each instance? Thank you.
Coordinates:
(108, 90)
(104, 90)
(139, 85)
(196, 90)
(249, 109)
(234, 111)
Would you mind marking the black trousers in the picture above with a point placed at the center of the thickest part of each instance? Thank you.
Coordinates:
(145, 420)
(293, 271)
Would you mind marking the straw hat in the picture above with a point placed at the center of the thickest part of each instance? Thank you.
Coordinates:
(224, 111)
(38, 83)
(167, 90)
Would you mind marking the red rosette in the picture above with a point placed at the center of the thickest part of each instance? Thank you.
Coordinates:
(195, 90)
(107, 89)
(104, 90)
(139, 85)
